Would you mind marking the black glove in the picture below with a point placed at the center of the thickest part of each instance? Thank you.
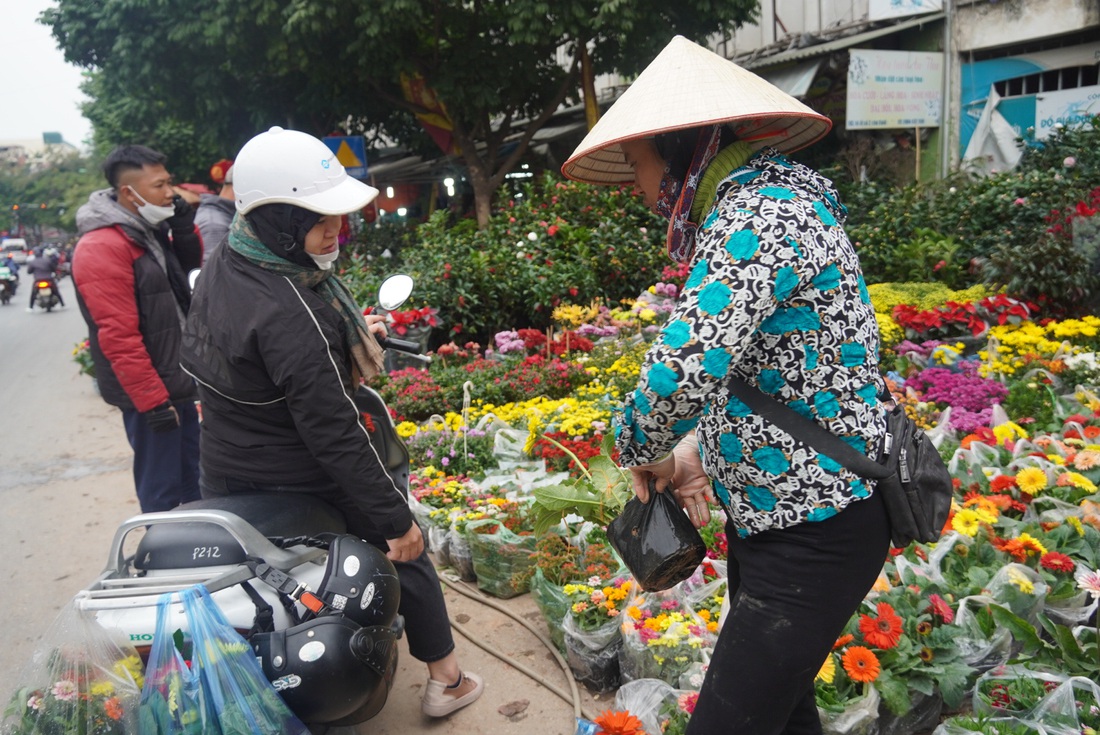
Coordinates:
(183, 221)
(162, 418)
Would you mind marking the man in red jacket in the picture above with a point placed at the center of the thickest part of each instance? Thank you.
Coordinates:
(138, 241)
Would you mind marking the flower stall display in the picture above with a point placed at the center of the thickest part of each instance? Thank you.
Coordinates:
(80, 681)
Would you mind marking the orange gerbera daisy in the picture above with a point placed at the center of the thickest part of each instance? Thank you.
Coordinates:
(861, 664)
(882, 631)
(843, 640)
(619, 723)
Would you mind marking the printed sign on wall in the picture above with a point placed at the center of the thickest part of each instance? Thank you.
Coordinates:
(1067, 107)
(880, 9)
(894, 89)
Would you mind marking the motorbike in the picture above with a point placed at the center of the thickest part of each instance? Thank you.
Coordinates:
(318, 606)
(46, 293)
(8, 282)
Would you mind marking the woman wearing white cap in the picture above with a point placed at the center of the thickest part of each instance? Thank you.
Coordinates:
(277, 346)
(776, 298)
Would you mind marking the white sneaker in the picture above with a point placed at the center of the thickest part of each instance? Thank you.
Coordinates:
(440, 700)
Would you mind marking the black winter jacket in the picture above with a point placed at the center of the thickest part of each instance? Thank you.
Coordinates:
(272, 364)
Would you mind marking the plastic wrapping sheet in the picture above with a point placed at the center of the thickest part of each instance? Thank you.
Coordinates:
(553, 603)
(1060, 711)
(1015, 690)
(924, 713)
(79, 680)
(1019, 588)
(461, 555)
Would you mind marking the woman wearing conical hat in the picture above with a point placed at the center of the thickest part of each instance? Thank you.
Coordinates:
(775, 297)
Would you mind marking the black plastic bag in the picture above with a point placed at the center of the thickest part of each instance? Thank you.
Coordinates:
(656, 541)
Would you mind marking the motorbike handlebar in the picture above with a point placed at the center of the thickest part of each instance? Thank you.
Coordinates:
(404, 345)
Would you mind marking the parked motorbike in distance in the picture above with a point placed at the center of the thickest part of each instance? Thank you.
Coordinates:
(318, 606)
(46, 293)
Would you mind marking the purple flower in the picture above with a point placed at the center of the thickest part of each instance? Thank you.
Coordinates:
(960, 387)
(445, 461)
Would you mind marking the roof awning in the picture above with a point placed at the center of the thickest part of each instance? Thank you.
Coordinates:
(796, 79)
(838, 44)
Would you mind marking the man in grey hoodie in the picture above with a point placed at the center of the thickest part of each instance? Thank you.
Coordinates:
(216, 211)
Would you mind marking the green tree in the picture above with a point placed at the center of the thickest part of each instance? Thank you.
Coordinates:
(48, 196)
(500, 67)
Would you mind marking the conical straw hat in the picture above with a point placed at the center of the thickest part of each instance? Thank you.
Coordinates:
(688, 86)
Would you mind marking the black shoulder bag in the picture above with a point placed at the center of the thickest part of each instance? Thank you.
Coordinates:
(911, 477)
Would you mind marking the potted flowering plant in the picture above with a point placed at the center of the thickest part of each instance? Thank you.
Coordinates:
(592, 635)
(558, 562)
(663, 638)
(502, 545)
(844, 689)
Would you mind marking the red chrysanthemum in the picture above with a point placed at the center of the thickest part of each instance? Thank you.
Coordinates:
(1056, 561)
(940, 608)
(883, 630)
(1000, 483)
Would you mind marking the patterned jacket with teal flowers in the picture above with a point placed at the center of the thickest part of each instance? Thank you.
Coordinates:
(775, 296)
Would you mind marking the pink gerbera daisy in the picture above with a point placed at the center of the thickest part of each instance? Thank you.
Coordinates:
(941, 608)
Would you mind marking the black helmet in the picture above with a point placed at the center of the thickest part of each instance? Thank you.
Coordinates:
(330, 669)
(360, 582)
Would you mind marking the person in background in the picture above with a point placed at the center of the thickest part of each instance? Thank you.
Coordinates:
(216, 210)
(43, 266)
(137, 242)
(278, 347)
(775, 297)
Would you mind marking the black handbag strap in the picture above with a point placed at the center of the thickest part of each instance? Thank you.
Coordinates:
(807, 430)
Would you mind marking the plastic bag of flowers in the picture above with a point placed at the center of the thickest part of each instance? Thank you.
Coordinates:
(81, 680)
(971, 725)
(1020, 589)
(592, 631)
(847, 700)
(1013, 691)
(663, 635)
(645, 698)
(982, 643)
(558, 562)
(460, 555)
(1071, 709)
(923, 714)
(502, 558)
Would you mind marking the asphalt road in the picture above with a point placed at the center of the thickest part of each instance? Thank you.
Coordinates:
(65, 484)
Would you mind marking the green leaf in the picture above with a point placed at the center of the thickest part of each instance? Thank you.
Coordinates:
(1021, 630)
(953, 683)
(894, 692)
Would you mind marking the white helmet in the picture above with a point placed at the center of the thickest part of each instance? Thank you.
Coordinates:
(291, 167)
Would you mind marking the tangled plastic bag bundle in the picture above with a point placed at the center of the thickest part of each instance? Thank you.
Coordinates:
(502, 559)
(966, 725)
(172, 701)
(241, 697)
(79, 681)
(645, 698)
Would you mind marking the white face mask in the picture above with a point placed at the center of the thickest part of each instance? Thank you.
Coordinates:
(324, 261)
(152, 213)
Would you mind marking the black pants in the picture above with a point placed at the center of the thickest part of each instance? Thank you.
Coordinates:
(427, 626)
(793, 590)
(166, 463)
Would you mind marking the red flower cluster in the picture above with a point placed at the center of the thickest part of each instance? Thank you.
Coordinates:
(403, 320)
(559, 461)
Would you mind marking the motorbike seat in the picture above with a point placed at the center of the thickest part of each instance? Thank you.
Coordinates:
(198, 544)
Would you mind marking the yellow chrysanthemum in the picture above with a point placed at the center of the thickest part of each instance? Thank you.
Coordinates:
(1021, 582)
(966, 522)
(406, 429)
(1075, 524)
(1008, 431)
(1056, 459)
(827, 673)
(1032, 480)
(1078, 480)
(1032, 544)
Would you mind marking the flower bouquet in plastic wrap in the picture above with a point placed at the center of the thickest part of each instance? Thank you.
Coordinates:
(80, 681)
(847, 700)
(592, 634)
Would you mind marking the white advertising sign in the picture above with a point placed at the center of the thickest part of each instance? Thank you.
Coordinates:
(881, 9)
(894, 89)
(1067, 107)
